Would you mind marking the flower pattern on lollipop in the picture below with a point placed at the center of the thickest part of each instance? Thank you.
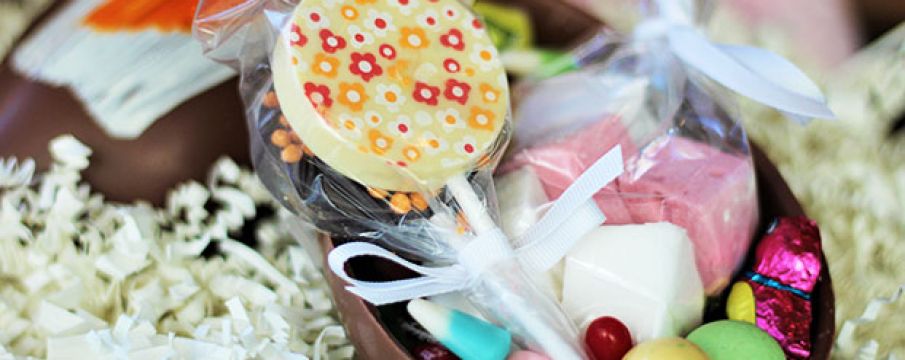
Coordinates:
(425, 93)
(453, 39)
(412, 79)
(319, 95)
(296, 38)
(325, 65)
(413, 38)
(365, 65)
(457, 91)
(359, 38)
(331, 42)
(352, 95)
(380, 22)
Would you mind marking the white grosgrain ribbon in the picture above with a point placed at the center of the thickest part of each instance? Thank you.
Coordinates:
(572, 216)
(755, 73)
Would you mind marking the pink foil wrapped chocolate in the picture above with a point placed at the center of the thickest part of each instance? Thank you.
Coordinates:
(786, 268)
(790, 253)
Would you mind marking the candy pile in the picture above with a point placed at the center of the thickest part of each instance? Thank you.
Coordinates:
(86, 279)
(635, 292)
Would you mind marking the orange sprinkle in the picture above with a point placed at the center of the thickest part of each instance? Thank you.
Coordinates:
(378, 193)
(132, 15)
(291, 154)
(280, 138)
(418, 201)
(400, 203)
(270, 100)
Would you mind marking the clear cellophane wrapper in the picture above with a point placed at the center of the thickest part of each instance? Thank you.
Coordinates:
(687, 157)
(416, 224)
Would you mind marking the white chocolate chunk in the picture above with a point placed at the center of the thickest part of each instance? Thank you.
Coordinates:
(643, 275)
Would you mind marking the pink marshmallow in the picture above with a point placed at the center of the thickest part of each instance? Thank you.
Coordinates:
(708, 192)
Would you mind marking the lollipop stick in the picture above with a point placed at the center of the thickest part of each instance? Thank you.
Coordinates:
(522, 304)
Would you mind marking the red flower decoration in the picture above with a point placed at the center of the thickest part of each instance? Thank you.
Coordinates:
(296, 38)
(365, 65)
(388, 51)
(477, 24)
(451, 65)
(457, 91)
(453, 39)
(331, 42)
(319, 95)
(425, 93)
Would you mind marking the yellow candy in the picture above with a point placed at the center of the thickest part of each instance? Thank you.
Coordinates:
(740, 305)
(666, 349)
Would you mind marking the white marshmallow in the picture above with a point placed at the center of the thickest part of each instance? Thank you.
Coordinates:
(643, 275)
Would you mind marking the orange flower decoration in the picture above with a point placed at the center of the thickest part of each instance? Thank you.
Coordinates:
(352, 96)
(411, 153)
(349, 12)
(380, 143)
(325, 65)
(490, 94)
(481, 119)
(399, 72)
(413, 38)
(365, 2)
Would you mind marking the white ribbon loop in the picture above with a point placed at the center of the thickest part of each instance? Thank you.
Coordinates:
(572, 216)
(752, 72)
(434, 280)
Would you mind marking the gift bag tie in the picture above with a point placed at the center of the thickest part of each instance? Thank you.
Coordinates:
(572, 215)
(755, 73)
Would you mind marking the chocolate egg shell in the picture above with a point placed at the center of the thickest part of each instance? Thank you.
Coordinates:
(180, 146)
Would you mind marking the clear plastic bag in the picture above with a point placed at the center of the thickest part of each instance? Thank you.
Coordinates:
(414, 178)
(687, 157)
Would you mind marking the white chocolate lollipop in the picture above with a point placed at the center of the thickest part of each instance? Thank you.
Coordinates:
(395, 94)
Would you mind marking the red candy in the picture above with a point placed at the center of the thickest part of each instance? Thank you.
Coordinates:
(434, 352)
(608, 338)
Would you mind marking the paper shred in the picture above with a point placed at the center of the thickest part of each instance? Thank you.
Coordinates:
(90, 279)
(13, 173)
(846, 342)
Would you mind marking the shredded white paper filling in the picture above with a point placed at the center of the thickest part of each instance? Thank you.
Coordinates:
(81, 278)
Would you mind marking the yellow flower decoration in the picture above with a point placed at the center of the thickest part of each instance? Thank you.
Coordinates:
(490, 94)
(349, 12)
(411, 153)
(399, 72)
(325, 65)
(380, 143)
(481, 119)
(352, 96)
(413, 38)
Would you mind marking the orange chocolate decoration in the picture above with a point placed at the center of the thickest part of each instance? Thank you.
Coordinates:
(138, 15)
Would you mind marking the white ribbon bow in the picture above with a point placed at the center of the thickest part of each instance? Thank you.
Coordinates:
(755, 73)
(572, 216)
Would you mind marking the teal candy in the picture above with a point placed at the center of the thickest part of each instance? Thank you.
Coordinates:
(473, 339)
(730, 340)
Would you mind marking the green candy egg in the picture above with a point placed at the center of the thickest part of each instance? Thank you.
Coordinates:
(730, 339)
